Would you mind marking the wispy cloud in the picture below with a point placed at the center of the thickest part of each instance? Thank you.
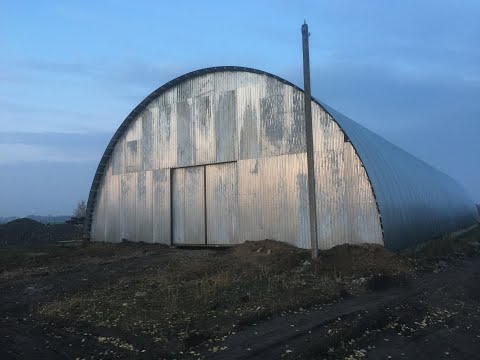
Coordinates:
(104, 71)
(32, 118)
(18, 147)
(81, 96)
(15, 153)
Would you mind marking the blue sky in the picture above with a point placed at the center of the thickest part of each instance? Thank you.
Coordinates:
(71, 71)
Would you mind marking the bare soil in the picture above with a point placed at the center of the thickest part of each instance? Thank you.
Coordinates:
(256, 300)
(27, 232)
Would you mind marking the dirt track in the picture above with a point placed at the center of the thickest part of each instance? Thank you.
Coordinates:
(435, 316)
(48, 298)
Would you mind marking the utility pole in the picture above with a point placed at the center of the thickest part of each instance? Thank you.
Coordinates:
(309, 137)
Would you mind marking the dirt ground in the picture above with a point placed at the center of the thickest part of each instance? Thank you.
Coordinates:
(27, 232)
(256, 300)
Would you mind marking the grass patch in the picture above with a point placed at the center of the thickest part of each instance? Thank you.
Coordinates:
(467, 243)
(197, 297)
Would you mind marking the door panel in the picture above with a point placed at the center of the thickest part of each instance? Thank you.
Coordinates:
(222, 203)
(188, 205)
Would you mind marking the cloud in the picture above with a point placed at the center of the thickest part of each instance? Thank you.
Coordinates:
(145, 74)
(31, 118)
(80, 97)
(74, 141)
(15, 153)
(106, 72)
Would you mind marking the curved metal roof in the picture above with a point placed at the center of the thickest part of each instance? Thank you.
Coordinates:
(416, 202)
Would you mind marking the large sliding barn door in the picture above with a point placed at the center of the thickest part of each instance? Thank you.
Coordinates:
(188, 205)
(222, 203)
(205, 205)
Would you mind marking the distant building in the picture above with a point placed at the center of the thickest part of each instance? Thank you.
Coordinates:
(218, 156)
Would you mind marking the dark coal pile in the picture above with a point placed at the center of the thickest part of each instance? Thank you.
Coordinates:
(25, 232)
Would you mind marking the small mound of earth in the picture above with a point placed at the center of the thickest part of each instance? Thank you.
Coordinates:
(348, 259)
(279, 255)
(367, 259)
(26, 232)
(263, 246)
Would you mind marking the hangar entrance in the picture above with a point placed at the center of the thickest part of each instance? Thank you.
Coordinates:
(205, 204)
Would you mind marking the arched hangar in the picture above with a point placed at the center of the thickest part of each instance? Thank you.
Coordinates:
(218, 156)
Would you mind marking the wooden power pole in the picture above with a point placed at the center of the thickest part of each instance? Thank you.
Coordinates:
(309, 137)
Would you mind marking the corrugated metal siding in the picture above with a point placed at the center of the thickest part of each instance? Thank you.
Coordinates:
(188, 205)
(178, 206)
(271, 195)
(346, 210)
(144, 207)
(255, 124)
(161, 206)
(255, 121)
(221, 203)
(98, 224)
(417, 202)
(128, 195)
(112, 208)
(224, 141)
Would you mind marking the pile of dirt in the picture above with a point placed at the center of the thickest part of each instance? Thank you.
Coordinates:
(365, 259)
(274, 254)
(26, 232)
(265, 245)
(347, 259)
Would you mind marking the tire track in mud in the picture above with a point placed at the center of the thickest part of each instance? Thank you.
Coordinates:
(309, 333)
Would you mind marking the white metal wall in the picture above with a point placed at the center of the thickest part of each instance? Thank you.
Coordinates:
(221, 203)
(273, 199)
(255, 122)
(346, 207)
(188, 205)
(161, 211)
